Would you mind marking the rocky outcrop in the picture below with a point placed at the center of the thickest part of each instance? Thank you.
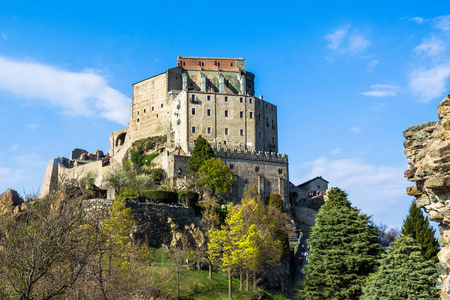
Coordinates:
(427, 148)
(10, 202)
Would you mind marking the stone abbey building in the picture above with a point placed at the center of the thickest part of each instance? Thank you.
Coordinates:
(212, 97)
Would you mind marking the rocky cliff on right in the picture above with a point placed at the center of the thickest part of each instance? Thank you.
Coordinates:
(427, 148)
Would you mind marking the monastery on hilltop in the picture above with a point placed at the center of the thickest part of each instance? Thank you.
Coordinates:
(212, 97)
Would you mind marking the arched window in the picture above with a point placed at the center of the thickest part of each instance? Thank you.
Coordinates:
(120, 139)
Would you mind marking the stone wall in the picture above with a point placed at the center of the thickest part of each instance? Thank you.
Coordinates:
(427, 148)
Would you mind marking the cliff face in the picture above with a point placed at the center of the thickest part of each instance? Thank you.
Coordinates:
(427, 148)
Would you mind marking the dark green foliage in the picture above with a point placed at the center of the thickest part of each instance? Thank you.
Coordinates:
(161, 196)
(344, 251)
(403, 274)
(127, 193)
(147, 159)
(418, 227)
(149, 143)
(188, 198)
(157, 175)
(137, 156)
(276, 201)
(202, 152)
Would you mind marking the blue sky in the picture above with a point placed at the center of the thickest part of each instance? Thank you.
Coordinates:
(348, 77)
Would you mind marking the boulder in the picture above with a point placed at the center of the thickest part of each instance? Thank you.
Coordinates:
(10, 201)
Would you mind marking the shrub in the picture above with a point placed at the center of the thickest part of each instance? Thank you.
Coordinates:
(157, 175)
(188, 198)
(161, 196)
(276, 201)
(147, 159)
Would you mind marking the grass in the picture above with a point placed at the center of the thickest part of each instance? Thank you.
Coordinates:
(196, 285)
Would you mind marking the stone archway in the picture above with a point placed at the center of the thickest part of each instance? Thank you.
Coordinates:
(120, 139)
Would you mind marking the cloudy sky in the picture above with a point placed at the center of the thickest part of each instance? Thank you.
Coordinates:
(347, 78)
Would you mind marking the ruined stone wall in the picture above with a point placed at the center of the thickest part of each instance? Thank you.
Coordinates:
(427, 148)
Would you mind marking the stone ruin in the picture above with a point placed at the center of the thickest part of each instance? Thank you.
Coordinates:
(427, 148)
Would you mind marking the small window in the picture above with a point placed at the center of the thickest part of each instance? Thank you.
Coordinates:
(218, 64)
(226, 131)
(241, 114)
(215, 63)
(256, 169)
(231, 166)
(153, 108)
(259, 117)
(224, 142)
(162, 105)
(267, 105)
(242, 132)
(138, 120)
(271, 108)
(199, 63)
(226, 113)
(193, 97)
(251, 115)
(268, 183)
(203, 64)
(138, 113)
(193, 129)
(145, 110)
(208, 112)
(208, 130)
(280, 171)
(193, 111)
(184, 63)
(241, 99)
(208, 97)
(156, 115)
(250, 100)
(231, 64)
(226, 99)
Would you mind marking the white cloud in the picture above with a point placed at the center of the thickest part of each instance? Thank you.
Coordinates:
(4, 36)
(84, 93)
(377, 190)
(381, 90)
(418, 20)
(345, 41)
(373, 63)
(442, 22)
(336, 37)
(336, 151)
(428, 84)
(431, 47)
(33, 126)
(356, 129)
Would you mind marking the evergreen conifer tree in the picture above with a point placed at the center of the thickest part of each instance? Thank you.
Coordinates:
(418, 227)
(344, 250)
(404, 273)
(202, 152)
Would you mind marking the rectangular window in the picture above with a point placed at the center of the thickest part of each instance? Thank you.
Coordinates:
(226, 113)
(226, 99)
(162, 105)
(250, 100)
(271, 108)
(251, 115)
(193, 98)
(267, 121)
(208, 112)
(138, 120)
(193, 129)
(242, 132)
(241, 99)
(208, 97)
(231, 166)
(241, 114)
(226, 131)
(145, 110)
(193, 111)
(208, 130)
(138, 113)
(259, 117)
(153, 108)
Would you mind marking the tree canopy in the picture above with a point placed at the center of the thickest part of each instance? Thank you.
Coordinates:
(216, 176)
(344, 251)
(202, 152)
(418, 227)
(404, 273)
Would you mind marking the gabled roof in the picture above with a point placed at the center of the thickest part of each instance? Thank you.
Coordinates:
(318, 177)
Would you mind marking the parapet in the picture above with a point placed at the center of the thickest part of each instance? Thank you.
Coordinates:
(250, 155)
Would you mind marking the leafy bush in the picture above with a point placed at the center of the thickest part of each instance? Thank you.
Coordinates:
(128, 193)
(137, 156)
(276, 201)
(161, 196)
(188, 198)
(147, 159)
(157, 175)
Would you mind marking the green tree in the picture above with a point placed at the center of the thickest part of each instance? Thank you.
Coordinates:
(344, 251)
(404, 273)
(215, 176)
(276, 201)
(418, 227)
(118, 179)
(202, 152)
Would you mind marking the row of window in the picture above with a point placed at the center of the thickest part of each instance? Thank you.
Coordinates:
(145, 110)
(225, 99)
(280, 171)
(208, 131)
(208, 113)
